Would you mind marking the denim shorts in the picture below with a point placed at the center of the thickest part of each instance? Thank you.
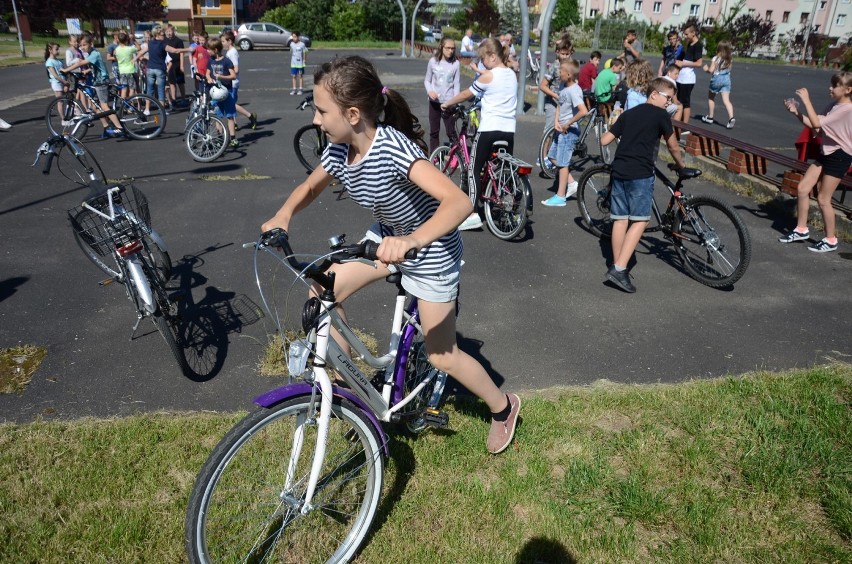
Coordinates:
(563, 145)
(720, 82)
(631, 199)
(226, 107)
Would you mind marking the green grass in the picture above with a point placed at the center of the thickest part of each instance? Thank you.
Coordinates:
(739, 469)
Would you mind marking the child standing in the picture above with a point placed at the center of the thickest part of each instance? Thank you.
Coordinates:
(570, 110)
(376, 150)
(53, 65)
(589, 72)
(637, 77)
(607, 80)
(551, 84)
(674, 109)
(639, 130)
(127, 72)
(298, 60)
(100, 77)
(720, 82)
(231, 52)
(221, 68)
(834, 125)
(688, 60)
(200, 57)
(442, 83)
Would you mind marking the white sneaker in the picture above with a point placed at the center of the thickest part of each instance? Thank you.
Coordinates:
(473, 221)
(572, 189)
(147, 112)
(5, 124)
(67, 123)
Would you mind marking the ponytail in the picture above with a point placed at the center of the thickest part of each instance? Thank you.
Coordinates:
(399, 116)
(47, 49)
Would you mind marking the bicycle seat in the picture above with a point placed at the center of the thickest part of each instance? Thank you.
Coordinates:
(500, 144)
(688, 173)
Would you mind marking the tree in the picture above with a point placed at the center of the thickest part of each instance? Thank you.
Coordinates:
(748, 32)
(567, 13)
(347, 21)
(136, 10)
(481, 15)
(510, 18)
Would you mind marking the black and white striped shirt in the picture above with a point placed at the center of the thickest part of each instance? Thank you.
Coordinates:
(379, 182)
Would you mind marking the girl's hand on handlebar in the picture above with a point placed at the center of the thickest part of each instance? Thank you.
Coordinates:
(392, 249)
(274, 223)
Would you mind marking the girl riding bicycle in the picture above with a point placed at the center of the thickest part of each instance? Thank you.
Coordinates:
(376, 151)
(497, 86)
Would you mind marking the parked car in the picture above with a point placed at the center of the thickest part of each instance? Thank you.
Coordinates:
(141, 28)
(265, 34)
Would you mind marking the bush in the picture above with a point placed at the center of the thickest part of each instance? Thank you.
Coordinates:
(348, 22)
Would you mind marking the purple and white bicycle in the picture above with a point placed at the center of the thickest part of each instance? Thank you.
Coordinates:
(300, 478)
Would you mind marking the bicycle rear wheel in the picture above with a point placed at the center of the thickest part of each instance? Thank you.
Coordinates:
(449, 165)
(548, 169)
(59, 114)
(157, 258)
(593, 196)
(605, 154)
(506, 203)
(244, 508)
(138, 124)
(165, 318)
(206, 139)
(309, 145)
(713, 242)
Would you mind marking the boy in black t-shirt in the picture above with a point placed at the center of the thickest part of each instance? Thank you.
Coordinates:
(639, 130)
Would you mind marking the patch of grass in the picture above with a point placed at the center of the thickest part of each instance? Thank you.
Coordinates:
(17, 366)
(739, 469)
(10, 49)
(245, 175)
(274, 359)
(357, 45)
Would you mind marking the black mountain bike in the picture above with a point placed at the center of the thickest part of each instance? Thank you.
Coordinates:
(309, 141)
(708, 235)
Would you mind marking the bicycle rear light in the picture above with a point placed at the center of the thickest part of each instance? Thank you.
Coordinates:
(129, 248)
(524, 169)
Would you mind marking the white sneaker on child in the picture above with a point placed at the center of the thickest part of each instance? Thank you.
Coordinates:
(473, 221)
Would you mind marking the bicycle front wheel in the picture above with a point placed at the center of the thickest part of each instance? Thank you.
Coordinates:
(309, 145)
(141, 116)
(83, 169)
(59, 114)
(593, 199)
(248, 500)
(548, 169)
(712, 241)
(506, 202)
(206, 139)
(450, 165)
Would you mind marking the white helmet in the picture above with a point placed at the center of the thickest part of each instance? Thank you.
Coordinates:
(218, 93)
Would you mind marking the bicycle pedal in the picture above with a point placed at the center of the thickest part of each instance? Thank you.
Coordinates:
(435, 418)
(106, 282)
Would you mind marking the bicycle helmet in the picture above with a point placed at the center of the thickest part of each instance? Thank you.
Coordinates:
(218, 93)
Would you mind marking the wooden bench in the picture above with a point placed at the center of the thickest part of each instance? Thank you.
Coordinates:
(745, 158)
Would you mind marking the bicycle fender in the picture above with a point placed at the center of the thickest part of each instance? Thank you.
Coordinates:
(143, 289)
(158, 239)
(297, 389)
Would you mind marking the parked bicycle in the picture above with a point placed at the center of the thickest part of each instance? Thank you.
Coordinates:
(301, 477)
(708, 235)
(141, 116)
(588, 147)
(533, 66)
(505, 194)
(112, 226)
(310, 141)
(206, 135)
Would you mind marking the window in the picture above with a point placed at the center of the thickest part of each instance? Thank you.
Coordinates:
(841, 20)
(714, 1)
(637, 6)
(593, 13)
(769, 15)
(785, 18)
(675, 9)
(822, 4)
(210, 3)
(658, 7)
(708, 21)
(804, 18)
(693, 9)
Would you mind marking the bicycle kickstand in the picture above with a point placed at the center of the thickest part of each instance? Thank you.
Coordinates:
(136, 326)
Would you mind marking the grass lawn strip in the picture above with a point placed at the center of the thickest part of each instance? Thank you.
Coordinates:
(746, 469)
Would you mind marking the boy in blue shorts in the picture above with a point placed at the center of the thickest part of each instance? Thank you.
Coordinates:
(298, 60)
(221, 68)
(570, 109)
(639, 130)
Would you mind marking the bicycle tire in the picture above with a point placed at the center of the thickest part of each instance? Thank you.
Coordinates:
(158, 258)
(308, 143)
(74, 167)
(113, 271)
(417, 369)
(712, 241)
(244, 477)
(606, 154)
(547, 169)
(449, 165)
(506, 213)
(131, 113)
(165, 320)
(206, 139)
(593, 195)
(54, 116)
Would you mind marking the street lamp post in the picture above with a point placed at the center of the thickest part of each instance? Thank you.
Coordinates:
(18, 27)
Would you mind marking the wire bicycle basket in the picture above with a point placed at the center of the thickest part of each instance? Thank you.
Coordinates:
(130, 219)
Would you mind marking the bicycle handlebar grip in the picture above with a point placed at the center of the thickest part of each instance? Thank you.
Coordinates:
(48, 163)
(371, 248)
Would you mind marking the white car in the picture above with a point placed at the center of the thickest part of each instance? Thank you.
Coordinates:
(265, 34)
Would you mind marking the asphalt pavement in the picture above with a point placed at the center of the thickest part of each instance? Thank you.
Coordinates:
(536, 311)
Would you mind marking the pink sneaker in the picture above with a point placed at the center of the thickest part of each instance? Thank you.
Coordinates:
(502, 432)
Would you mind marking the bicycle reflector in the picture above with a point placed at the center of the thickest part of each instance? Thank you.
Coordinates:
(524, 170)
(129, 248)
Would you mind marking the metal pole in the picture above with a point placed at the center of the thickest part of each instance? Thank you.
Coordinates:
(18, 28)
(545, 43)
(525, 45)
(808, 30)
(402, 9)
(413, 26)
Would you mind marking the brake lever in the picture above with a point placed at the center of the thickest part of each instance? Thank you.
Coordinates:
(43, 150)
